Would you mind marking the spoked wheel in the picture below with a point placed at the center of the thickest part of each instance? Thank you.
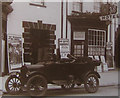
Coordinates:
(13, 85)
(37, 85)
(91, 83)
(69, 85)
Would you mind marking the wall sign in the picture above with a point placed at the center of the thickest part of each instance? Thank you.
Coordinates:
(79, 35)
(64, 47)
(109, 17)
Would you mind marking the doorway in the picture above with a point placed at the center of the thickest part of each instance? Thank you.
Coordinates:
(39, 42)
(78, 43)
(39, 47)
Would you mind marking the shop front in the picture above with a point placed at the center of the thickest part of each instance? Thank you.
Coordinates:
(88, 36)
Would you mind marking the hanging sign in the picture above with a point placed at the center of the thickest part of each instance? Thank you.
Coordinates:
(64, 47)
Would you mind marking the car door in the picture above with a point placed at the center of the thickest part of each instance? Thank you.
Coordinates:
(79, 67)
(56, 71)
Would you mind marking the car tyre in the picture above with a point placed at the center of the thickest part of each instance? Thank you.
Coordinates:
(13, 85)
(37, 85)
(69, 85)
(91, 83)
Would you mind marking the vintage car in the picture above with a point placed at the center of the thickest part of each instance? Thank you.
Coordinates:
(65, 73)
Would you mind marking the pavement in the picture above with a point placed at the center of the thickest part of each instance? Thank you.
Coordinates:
(108, 78)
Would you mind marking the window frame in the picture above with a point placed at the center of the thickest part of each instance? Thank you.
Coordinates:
(77, 7)
(95, 48)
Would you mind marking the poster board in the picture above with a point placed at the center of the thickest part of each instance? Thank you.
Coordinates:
(64, 47)
(99, 68)
(105, 66)
(14, 44)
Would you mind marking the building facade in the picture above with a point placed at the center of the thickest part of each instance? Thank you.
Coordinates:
(117, 41)
(83, 23)
(39, 25)
(5, 10)
(93, 31)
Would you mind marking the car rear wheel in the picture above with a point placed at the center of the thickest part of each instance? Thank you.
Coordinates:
(69, 85)
(91, 83)
(13, 84)
(37, 85)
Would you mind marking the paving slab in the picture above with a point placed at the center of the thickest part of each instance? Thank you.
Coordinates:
(109, 78)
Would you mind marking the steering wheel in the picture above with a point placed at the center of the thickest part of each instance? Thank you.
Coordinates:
(71, 57)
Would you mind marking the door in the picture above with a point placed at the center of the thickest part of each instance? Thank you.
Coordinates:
(79, 49)
(78, 43)
(56, 71)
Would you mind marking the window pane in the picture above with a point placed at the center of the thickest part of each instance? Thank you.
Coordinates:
(77, 6)
(79, 50)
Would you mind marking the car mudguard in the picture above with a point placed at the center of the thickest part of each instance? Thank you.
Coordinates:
(91, 72)
(30, 74)
(16, 73)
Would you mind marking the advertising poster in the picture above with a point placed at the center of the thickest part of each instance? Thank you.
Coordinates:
(14, 51)
(64, 48)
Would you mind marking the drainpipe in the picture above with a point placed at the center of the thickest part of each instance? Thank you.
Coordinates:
(0, 38)
(66, 16)
(62, 19)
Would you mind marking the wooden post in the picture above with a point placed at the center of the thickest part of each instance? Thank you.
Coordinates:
(0, 38)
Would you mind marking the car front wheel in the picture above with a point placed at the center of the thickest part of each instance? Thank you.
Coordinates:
(37, 85)
(13, 84)
(91, 83)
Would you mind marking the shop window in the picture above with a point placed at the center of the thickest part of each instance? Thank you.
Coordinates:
(96, 42)
(40, 3)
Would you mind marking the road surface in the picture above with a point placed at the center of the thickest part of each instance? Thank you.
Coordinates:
(102, 91)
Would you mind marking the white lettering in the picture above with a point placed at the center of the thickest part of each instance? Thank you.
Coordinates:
(109, 17)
